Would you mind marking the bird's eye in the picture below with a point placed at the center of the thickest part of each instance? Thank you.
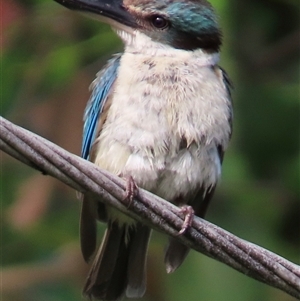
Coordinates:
(159, 22)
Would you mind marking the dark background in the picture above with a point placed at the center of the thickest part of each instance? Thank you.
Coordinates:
(50, 56)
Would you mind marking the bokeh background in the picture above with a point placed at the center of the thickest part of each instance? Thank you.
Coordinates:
(50, 56)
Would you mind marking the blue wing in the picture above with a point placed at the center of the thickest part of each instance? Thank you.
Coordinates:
(101, 90)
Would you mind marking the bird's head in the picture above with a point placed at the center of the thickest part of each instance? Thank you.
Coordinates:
(181, 24)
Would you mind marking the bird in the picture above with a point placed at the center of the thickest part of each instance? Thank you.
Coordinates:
(160, 117)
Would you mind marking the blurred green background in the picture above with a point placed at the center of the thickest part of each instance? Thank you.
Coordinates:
(50, 56)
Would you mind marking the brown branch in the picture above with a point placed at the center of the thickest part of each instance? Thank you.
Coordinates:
(204, 237)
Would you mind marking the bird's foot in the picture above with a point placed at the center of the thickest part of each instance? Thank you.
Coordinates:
(188, 213)
(131, 191)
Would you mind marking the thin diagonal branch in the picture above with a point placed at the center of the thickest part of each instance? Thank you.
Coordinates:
(204, 237)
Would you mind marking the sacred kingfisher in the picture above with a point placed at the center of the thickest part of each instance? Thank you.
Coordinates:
(160, 114)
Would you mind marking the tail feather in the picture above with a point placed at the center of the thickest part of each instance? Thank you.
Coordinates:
(88, 229)
(119, 263)
(136, 272)
(175, 255)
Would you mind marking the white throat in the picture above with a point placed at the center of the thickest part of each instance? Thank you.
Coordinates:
(139, 43)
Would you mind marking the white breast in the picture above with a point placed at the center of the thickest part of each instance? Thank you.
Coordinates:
(158, 103)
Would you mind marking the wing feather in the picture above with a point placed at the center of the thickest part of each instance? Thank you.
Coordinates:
(92, 210)
(101, 91)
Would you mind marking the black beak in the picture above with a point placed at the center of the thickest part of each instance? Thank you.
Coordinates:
(111, 9)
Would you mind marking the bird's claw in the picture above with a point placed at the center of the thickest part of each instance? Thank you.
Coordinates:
(188, 213)
(131, 191)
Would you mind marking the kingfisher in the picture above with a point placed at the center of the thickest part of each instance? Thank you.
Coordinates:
(160, 116)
